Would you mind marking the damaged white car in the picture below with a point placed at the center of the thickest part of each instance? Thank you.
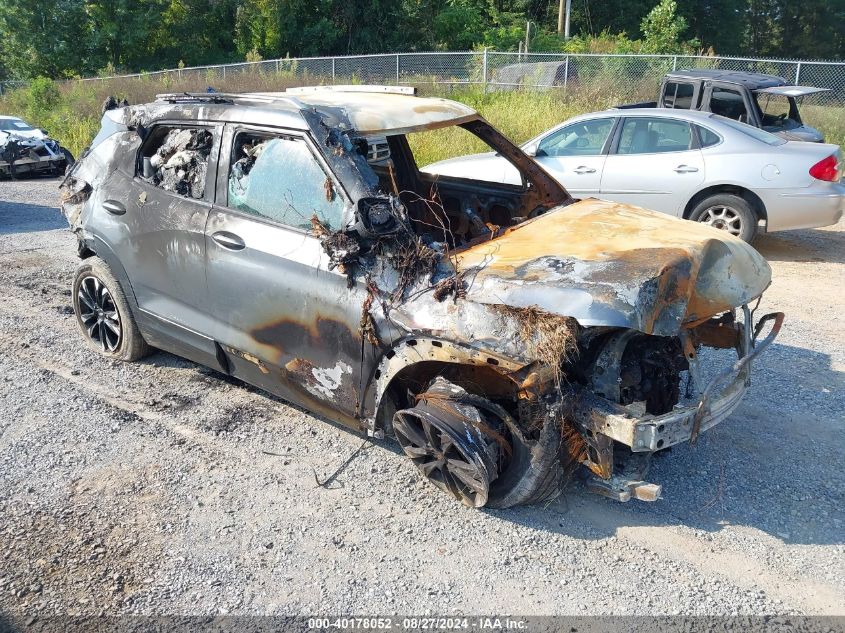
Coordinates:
(27, 150)
(506, 335)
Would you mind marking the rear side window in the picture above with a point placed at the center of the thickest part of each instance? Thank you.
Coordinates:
(176, 159)
(643, 135)
(708, 138)
(753, 132)
(585, 138)
(280, 179)
(678, 95)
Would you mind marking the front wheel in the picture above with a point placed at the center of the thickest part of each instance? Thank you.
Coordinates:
(729, 213)
(103, 313)
(472, 449)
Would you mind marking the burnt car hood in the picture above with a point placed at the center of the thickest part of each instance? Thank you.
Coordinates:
(612, 264)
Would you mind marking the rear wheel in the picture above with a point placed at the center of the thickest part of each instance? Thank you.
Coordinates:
(729, 213)
(103, 313)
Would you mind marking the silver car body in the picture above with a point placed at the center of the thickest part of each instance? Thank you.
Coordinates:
(775, 175)
(351, 306)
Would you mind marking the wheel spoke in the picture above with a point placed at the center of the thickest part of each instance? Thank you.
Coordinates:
(412, 432)
(86, 298)
(111, 325)
(416, 451)
(473, 483)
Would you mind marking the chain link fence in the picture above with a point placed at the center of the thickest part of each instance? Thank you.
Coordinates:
(636, 74)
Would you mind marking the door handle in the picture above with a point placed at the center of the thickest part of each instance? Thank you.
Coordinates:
(685, 169)
(228, 240)
(583, 169)
(114, 207)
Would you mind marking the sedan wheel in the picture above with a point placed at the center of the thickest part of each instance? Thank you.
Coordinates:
(727, 212)
(98, 314)
(722, 217)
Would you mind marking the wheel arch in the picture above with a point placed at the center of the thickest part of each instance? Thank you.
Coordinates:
(743, 192)
(418, 359)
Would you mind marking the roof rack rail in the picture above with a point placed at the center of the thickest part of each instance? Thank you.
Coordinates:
(196, 97)
(392, 90)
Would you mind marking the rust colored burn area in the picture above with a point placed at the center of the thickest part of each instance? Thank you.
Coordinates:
(605, 263)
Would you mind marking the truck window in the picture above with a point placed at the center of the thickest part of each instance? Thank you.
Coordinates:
(678, 95)
(729, 104)
(643, 135)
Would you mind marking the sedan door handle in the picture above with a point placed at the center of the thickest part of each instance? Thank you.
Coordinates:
(114, 207)
(583, 169)
(228, 240)
(685, 169)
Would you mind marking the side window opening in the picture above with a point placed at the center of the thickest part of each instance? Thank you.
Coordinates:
(176, 159)
(278, 178)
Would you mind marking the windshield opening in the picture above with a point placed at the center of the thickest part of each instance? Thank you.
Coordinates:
(458, 202)
(779, 111)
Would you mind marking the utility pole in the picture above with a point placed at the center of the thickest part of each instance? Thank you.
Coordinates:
(527, 31)
(564, 8)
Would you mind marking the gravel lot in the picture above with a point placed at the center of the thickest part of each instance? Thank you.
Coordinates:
(160, 487)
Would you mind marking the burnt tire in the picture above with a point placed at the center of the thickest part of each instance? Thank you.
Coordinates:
(473, 450)
(728, 212)
(534, 474)
(103, 313)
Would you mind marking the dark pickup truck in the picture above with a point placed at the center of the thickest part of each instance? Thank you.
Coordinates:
(764, 101)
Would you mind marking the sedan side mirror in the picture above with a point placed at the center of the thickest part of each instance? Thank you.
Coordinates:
(531, 150)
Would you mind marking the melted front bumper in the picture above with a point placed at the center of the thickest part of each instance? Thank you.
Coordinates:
(648, 433)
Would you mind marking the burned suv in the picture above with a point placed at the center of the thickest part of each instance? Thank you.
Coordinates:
(506, 335)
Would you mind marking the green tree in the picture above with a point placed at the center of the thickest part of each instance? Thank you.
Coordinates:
(44, 37)
(662, 28)
(458, 27)
(122, 31)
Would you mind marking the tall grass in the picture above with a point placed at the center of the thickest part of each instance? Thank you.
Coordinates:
(71, 112)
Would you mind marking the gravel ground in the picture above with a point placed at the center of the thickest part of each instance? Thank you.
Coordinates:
(161, 488)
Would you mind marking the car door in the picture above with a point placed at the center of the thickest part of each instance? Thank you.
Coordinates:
(283, 319)
(156, 229)
(654, 163)
(575, 154)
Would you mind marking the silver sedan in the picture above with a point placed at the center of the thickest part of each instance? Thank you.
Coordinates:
(694, 165)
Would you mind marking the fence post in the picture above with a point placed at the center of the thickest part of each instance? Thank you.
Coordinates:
(674, 63)
(333, 79)
(484, 71)
(397, 68)
(565, 74)
(797, 73)
(224, 71)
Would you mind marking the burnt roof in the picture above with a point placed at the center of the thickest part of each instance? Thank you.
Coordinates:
(749, 80)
